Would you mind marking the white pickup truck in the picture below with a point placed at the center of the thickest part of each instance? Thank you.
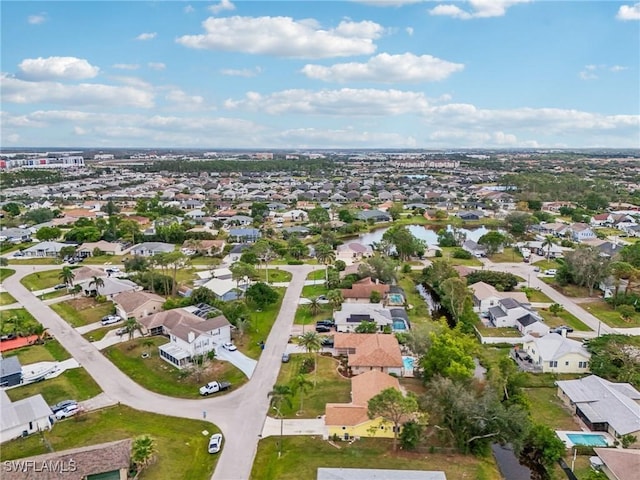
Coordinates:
(214, 387)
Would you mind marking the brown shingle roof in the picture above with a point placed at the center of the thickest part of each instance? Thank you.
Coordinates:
(623, 464)
(371, 349)
(180, 322)
(363, 289)
(367, 385)
(130, 301)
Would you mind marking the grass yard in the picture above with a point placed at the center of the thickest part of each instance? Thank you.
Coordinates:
(548, 409)
(55, 294)
(211, 261)
(301, 457)
(156, 375)
(35, 261)
(17, 320)
(42, 280)
(316, 275)
(563, 318)
(6, 273)
(605, 312)
(419, 312)
(536, 296)
(447, 253)
(572, 291)
(261, 323)
(547, 264)
(83, 310)
(309, 291)
(74, 383)
(509, 255)
(104, 260)
(6, 298)
(275, 275)
(99, 333)
(331, 387)
(51, 351)
(304, 317)
(506, 332)
(181, 445)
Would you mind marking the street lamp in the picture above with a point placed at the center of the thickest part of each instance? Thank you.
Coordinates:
(281, 427)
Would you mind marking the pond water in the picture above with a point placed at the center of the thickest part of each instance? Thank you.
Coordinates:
(508, 463)
(430, 236)
(433, 303)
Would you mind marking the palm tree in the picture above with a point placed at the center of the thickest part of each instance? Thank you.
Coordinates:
(131, 325)
(335, 297)
(325, 256)
(98, 283)
(76, 289)
(314, 306)
(279, 395)
(300, 384)
(548, 242)
(242, 325)
(67, 275)
(143, 450)
(311, 342)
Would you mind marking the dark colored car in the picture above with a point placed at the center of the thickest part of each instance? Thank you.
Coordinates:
(285, 357)
(322, 328)
(60, 286)
(560, 328)
(328, 322)
(8, 336)
(327, 341)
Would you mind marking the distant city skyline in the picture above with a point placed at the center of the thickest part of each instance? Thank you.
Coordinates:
(321, 74)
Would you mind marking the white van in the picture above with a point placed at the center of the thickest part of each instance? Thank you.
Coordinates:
(551, 272)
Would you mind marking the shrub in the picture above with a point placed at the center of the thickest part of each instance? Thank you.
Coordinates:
(461, 253)
(306, 366)
(294, 262)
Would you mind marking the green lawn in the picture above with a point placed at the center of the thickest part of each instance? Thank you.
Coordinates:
(82, 311)
(6, 273)
(275, 275)
(419, 312)
(156, 375)
(105, 260)
(261, 323)
(562, 318)
(509, 255)
(99, 333)
(304, 317)
(498, 331)
(74, 383)
(181, 445)
(547, 264)
(6, 298)
(572, 291)
(330, 387)
(35, 261)
(51, 351)
(317, 275)
(447, 253)
(536, 296)
(54, 294)
(301, 457)
(205, 261)
(548, 409)
(42, 280)
(309, 291)
(16, 320)
(605, 312)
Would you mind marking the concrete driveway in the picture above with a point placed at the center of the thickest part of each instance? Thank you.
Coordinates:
(294, 427)
(237, 359)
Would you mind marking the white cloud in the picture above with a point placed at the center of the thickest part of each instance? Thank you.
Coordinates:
(156, 65)
(57, 68)
(37, 19)
(146, 36)
(347, 102)
(79, 131)
(222, 6)
(126, 66)
(388, 3)
(15, 90)
(590, 72)
(344, 138)
(244, 72)
(409, 31)
(629, 12)
(386, 68)
(285, 37)
(479, 9)
(184, 101)
(587, 75)
(618, 68)
(189, 9)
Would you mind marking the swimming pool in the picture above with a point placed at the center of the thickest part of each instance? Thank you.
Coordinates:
(399, 325)
(408, 363)
(589, 439)
(395, 298)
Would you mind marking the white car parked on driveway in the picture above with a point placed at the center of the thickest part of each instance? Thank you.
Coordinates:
(229, 346)
(67, 411)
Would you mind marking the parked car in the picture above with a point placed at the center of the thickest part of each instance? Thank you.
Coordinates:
(285, 358)
(329, 322)
(60, 286)
(8, 336)
(214, 387)
(18, 254)
(229, 346)
(551, 271)
(122, 331)
(110, 319)
(67, 411)
(536, 269)
(62, 405)
(215, 443)
(320, 328)
(561, 328)
(111, 270)
(326, 341)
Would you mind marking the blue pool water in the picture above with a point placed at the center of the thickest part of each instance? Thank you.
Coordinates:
(590, 439)
(399, 325)
(408, 363)
(395, 298)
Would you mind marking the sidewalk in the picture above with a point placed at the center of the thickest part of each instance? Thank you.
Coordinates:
(294, 427)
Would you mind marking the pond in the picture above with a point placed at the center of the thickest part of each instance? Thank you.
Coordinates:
(429, 235)
(508, 463)
(433, 303)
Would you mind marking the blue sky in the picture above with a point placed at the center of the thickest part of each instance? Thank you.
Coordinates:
(321, 74)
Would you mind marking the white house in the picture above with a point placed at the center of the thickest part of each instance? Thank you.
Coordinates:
(511, 313)
(149, 249)
(189, 335)
(555, 353)
(23, 417)
(486, 296)
(46, 249)
(581, 232)
(352, 314)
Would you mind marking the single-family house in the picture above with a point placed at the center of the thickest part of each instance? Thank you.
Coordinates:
(189, 335)
(137, 304)
(353, 251)
(110, 287)
(351, 420)
(375, 216)
(203, 247)
(370, 351)
(23, 417)
(87, 272)
(225, 289)
(107, 461)
(485, 296)
(474, 249)
(619, 463)
(107, 248)
(10, 371)
(239, 220)
(511, 313)
(470, 215)
(351, 315)
(149, 249)
(46, 249)
(555, 353)
(360, 291)
(244, 235)
(295, 215)
(15, 235)
(581, 232)
(602, 405)
(601, 219)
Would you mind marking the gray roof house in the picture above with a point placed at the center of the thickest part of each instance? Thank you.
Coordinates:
(23, 417)
(511, 313)
(352, 314)
(46, 249)
(249, 235)
(10, 371)
(148, 249)
(375, 215)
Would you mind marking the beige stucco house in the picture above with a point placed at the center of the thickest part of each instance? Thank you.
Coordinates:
(555, 353)
(137, 304)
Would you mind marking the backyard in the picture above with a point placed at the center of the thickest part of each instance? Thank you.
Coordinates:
(73, 383)
(82, 310)
(275, 275)
(18, 321)
(181, 443)
(331, 387)
(50, 351)
(364, 453)
(156, 375)
(562, 318)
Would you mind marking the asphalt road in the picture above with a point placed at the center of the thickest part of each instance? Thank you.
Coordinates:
(240, 414)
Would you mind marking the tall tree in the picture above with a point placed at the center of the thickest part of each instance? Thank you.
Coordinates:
(325, 256)
(265, 253)
(312, 343)
(241, 271)
(541, 450)
(393, 407)
(44, 234)
(67, 275)
(97, 282)
(261, 294)
(549, 241)
(493, 241)
(454, 294)
(300, 385)
(405, 243)
(280, 395)
(131, 325)
(450, 354)
(314, 306)
(335, 297)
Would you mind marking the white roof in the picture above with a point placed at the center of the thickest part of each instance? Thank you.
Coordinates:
(22, 411)
(554, 346)
(220, 286)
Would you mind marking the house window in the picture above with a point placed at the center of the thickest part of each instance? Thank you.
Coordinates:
(553, 364)
(582, 364)
(566, 364)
